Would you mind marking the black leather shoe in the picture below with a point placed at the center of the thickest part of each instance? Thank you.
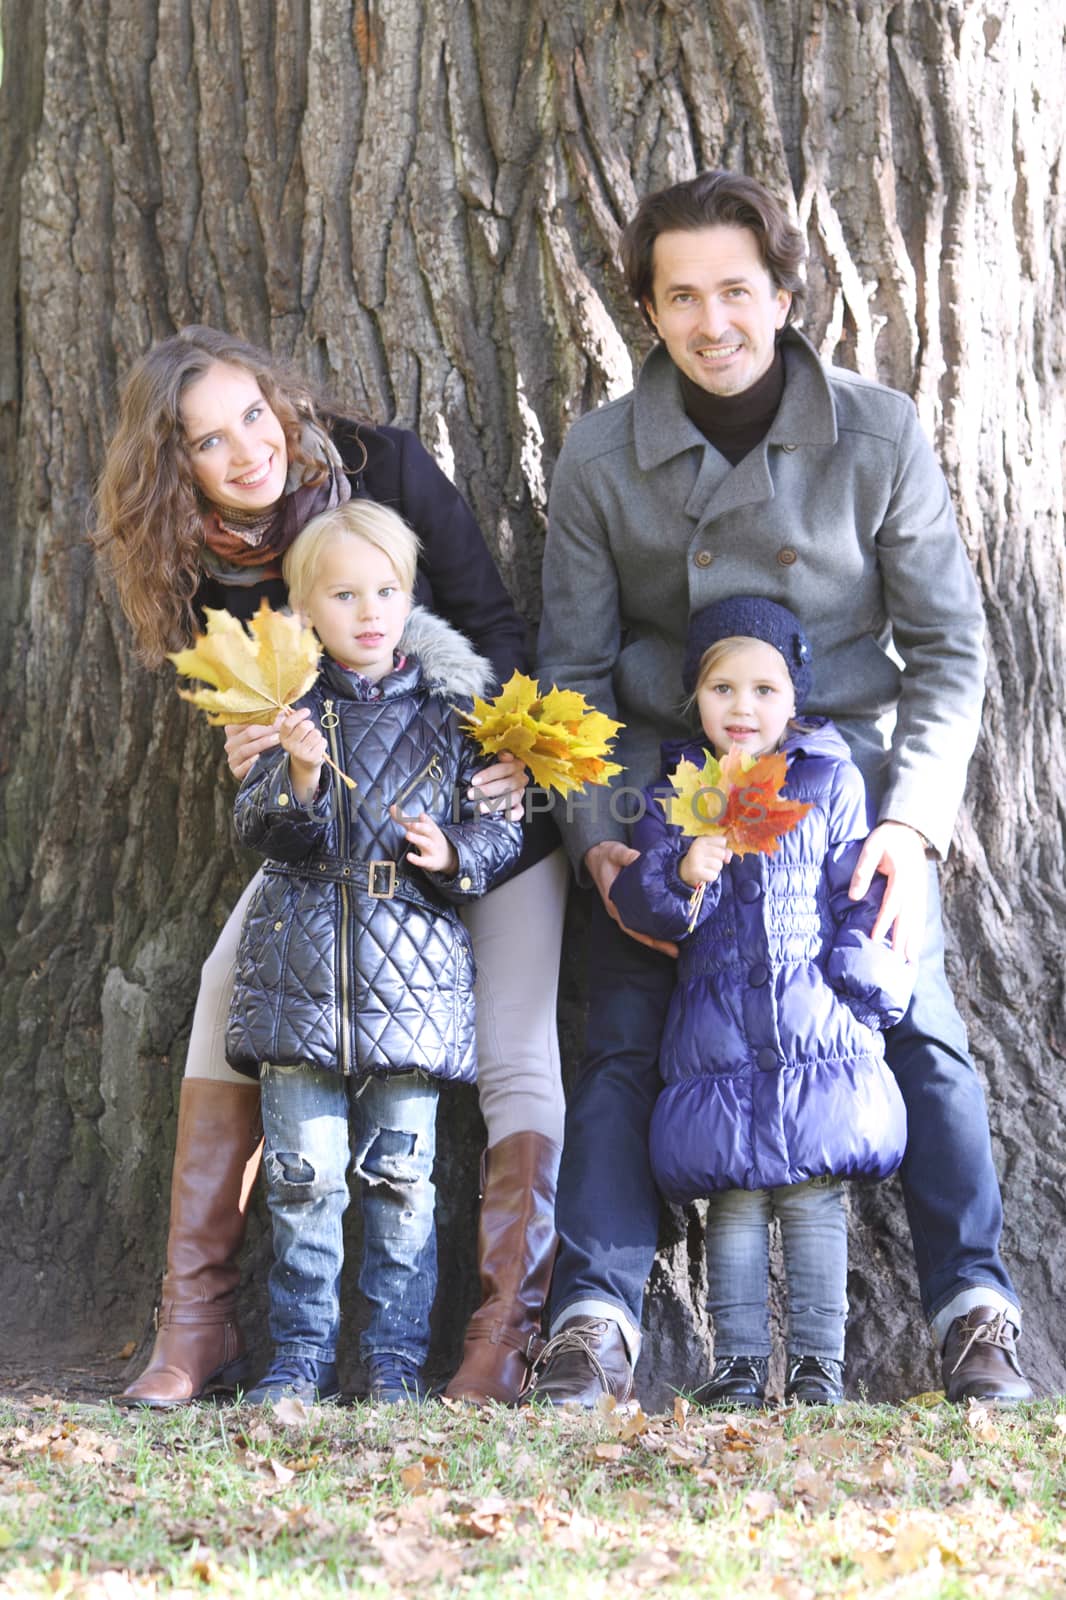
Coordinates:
(980, 1360)
(814, 1381)
(581, 1363)
(734, 1381)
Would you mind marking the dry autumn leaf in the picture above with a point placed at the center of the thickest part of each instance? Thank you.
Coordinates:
(252, 673)
(739, 797)
(558, 736)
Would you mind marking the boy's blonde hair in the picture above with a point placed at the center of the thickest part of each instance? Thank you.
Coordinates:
(358, 519)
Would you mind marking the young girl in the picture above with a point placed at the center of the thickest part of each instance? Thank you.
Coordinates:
(354, 990)
(220, 457)
(776, 1084)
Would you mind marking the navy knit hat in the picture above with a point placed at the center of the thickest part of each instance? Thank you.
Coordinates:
(748, 616)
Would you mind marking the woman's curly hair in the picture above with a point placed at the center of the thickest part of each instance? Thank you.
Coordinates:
(149, 528)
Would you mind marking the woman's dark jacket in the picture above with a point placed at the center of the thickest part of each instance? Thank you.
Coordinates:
(350, 958)
(457, 577)
(772, 1056)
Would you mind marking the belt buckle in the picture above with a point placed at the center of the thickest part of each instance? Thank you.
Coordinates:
(373, 868)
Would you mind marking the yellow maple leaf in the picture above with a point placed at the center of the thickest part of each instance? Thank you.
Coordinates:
(252, 673)
(558, 736)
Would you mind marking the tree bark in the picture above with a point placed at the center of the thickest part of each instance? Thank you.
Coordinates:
(419, 201)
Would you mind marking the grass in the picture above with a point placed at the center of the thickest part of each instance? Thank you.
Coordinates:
(922, 1501)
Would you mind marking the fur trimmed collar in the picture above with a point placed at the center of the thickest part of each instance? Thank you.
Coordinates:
(450, 664)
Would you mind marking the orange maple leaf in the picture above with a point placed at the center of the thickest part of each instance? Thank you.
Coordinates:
(755, 815)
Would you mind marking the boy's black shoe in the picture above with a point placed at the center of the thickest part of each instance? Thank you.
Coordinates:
(394, 1380)
(295, 1378)
(735, 1381)
(814, 1381)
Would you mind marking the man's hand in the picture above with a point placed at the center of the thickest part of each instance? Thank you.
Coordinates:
(244, 742)
(603, 862)
(506, 776)
(899, 853)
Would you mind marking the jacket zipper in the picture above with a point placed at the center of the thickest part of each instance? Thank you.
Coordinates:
(432, 769)
(329, 722)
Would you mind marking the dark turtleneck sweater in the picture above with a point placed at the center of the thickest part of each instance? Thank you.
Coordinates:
(735, 423)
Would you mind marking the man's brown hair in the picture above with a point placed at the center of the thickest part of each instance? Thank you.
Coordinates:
(715, 199)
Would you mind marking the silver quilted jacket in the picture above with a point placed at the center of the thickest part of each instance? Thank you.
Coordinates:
(350, 959)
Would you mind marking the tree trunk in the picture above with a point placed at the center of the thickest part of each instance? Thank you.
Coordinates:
(419, 200)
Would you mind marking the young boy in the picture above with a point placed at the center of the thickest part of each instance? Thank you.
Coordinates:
(354, 986)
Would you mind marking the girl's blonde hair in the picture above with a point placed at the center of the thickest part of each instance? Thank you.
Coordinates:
(149, 526)
(356, 519)
(721, 648)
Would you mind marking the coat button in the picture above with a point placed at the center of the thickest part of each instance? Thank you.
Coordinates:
(758, 975)
(278, 927)
(703, 558)
(466, 883)
(749, 891)
(283, 799)
(766, 1059)
(787, 556)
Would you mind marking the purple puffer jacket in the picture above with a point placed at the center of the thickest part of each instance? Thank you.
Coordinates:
(772, 1056)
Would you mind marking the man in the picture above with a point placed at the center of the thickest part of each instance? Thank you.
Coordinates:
(741, 465)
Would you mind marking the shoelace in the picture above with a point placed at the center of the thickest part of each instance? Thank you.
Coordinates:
(576, 1339)
(998, 1333)
(730, 1366)
(290, 1369)
(823, 1367)
(394, 1371)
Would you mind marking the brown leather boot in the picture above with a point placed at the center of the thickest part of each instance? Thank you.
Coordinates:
(516, 1250)
(199, 1347)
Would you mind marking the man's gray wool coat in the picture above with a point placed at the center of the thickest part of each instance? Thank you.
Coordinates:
(841, 513)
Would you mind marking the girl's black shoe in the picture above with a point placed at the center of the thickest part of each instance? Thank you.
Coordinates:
(735, 1381)
(814, 1381)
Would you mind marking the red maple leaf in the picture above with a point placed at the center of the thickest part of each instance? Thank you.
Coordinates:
(755, 815)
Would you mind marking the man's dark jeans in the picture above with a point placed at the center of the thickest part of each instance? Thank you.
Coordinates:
(607, 1210)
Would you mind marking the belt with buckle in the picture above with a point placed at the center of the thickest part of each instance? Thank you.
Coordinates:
(381, 879)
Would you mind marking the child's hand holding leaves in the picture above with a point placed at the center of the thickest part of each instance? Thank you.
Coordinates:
(703, 861)
(305, 746)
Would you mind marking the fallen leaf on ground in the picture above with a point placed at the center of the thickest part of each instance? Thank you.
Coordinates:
(292, 1412)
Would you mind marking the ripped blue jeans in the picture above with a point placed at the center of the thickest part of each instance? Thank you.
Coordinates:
(307, 1114)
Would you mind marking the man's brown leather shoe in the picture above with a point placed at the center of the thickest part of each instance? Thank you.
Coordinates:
(980, 1362)
(585, 1360)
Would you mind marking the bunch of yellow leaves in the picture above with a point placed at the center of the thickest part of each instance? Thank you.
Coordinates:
(253, 673)
(740, 797)
(558, 736)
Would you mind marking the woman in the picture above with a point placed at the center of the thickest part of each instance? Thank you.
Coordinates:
(221, 455)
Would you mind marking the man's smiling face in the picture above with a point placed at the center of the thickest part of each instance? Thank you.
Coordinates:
(715, 306)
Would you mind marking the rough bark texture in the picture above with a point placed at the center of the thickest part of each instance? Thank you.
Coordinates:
(419, 200)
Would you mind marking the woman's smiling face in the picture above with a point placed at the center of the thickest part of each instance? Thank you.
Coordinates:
(234, 442)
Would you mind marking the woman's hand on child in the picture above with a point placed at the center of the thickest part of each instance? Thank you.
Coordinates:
(435, 851)
(305, 745)
(244, 742)
(704, 860)
(507, 775)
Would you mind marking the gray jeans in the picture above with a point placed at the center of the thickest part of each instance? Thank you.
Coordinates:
(814, 1237)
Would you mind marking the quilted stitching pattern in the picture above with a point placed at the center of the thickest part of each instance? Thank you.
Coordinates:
(325, 973)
